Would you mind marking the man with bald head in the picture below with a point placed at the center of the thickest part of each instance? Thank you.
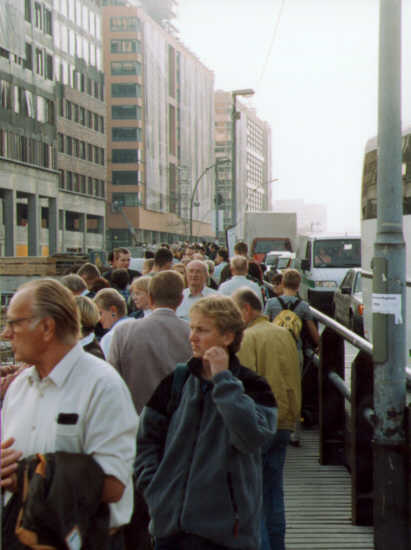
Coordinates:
(68, 400)
(197, 277)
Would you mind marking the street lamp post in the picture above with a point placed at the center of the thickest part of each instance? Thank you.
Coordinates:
(261, 187)
(203, 173)
(235, 115)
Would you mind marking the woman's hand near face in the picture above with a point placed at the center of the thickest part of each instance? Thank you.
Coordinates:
(215, 360)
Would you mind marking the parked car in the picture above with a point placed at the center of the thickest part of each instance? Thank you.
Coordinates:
(348, 302)
(276, 261)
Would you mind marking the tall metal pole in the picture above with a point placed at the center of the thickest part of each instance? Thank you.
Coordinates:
(389, 296)
(234, 160)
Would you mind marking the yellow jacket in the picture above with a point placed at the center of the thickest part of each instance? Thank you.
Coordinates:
(271, 352)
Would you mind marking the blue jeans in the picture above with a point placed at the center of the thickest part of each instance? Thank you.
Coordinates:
(273, 518)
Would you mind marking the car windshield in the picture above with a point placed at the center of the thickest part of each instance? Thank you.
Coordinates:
(337, 253)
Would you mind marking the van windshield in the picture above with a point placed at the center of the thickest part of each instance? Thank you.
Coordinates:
(337, 253)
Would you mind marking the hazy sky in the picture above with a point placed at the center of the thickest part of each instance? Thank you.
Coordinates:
(318, 91)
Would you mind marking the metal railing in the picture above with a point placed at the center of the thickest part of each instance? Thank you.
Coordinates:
(347, 432)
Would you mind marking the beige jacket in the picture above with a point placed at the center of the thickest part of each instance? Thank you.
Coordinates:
(271, 352)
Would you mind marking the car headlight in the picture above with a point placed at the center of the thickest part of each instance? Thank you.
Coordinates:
(325, 284)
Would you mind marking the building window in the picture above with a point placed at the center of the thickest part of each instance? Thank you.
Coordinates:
(125, 90)
(82, 150)
(27, 10)
(61, 179)
(69, 145)
(125, 155)
(49, 67)
(82, 114)
(125, 177)
(125, 46)
(127, 199)
(39, 61)
(89, 152)
(28, 62)
(60, 139)
(37, 16)
(126, 112)
(89, 119)
(47, 22)
(125, 68)
(118, 24)
(69, 110)
(126, 134)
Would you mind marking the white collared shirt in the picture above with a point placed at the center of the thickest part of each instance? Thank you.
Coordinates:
(183, 310)
(239, 281)
(105, 421)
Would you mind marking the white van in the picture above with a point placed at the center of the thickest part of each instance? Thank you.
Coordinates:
(323, 261)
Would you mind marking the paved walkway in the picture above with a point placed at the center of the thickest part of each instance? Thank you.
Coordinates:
(318, 502)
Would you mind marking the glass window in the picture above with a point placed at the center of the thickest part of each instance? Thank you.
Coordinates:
(126, 134)
(28, 62)
(82, 119)
(125, 46)
(127, 199)
(41, 109)
(49, 67)
(337, 253)
(39, 61)
(126, 112)
(69, 110)
(125, 90)
(118, 24)
(98, 27)
(89, 152)
(27, 10)
(38, 22)
(125, 68)
(69, 145)
(125, 177)
(125, 155)
(60, 139)
(47, 22)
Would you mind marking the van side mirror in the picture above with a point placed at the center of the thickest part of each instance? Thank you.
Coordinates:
(305, 264)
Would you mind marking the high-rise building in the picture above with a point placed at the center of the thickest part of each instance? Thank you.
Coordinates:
(160, 120)
(253, 159)
(52, 141)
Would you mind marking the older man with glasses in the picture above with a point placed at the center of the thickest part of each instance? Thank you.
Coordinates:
(68, 400)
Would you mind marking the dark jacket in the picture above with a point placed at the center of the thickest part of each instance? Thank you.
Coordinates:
(60, 495)
(200, 469)
(95, 349)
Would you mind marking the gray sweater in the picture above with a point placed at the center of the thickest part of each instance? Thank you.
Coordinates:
(200, 469)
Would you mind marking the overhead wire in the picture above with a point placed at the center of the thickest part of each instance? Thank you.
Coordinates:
(273, 38)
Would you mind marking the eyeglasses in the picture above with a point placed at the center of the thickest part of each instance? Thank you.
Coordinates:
(10, 323)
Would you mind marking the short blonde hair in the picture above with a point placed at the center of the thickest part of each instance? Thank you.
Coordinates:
(110, 297)
(225, 314)
(89, 315)
(239, 263)
(141, 283)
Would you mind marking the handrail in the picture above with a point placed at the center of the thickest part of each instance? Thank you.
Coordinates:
(347, 334)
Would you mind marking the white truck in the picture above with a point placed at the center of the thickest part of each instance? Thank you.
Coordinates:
(269, 231)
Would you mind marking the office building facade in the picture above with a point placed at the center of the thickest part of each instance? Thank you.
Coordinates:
(253, 160)
(52, 137)
(160, 118)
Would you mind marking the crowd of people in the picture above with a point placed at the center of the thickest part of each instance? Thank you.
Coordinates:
(182, 382)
